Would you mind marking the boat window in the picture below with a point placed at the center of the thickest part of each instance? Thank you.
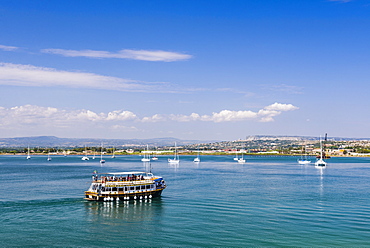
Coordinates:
(120, 189)
(137, 187)
(148, 186)
(103, 188)
(132, 188)
(114, 189)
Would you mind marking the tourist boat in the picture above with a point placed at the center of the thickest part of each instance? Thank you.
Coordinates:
(124, 186)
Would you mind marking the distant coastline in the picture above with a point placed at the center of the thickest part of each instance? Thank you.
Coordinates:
(252, 145)
(184, 154)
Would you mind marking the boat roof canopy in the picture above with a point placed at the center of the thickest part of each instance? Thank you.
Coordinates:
(126, 173)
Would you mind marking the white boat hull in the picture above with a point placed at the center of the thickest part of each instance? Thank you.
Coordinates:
(304, 162)
(117, 188)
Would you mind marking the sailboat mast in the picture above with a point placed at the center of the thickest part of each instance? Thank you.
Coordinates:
(320, 148)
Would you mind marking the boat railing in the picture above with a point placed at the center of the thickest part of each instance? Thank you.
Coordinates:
(126, 182)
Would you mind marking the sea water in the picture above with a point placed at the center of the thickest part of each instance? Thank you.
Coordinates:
(266, 202)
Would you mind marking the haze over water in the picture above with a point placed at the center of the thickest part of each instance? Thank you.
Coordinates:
(269, 201)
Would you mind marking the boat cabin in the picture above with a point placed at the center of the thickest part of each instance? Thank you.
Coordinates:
(124, 186)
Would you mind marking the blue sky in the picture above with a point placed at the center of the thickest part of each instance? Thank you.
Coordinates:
(206, 70)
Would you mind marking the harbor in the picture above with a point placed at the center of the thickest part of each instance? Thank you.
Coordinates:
(268, 201)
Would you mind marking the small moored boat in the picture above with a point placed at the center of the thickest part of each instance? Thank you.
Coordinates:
(146, 157)
(303, 159)
(320, 163)
(28, 153)
(124, 186)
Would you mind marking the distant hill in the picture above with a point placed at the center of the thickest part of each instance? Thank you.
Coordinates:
(52, 141)
(298, 138)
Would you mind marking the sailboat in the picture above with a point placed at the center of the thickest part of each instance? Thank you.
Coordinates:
(320, 162)
(176, 158)
(102, 161)
(28, 153)
(197, 159)
(324, 155)
(303, 159)
(113, 156)
(241, 159)
(146, 155)
(236, 155)
(49, 158)
(85, 157)
(154, 157)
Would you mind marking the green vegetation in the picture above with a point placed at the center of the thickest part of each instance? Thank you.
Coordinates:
(251, 146)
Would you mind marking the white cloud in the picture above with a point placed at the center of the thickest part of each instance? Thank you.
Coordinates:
(46, 116)
(35, 76)
(121, 115)
(146, 55)
(229, 115)
(281, 107)
(264, 115)
(82, 115)
(41, 118)
(185, 118)
(154, 118)
(28, 75)
(8, 48)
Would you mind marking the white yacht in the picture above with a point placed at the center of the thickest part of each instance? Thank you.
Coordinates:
(176, 158)
(85, 157)
(28, 153)
(236, 155)
(303, 159)
(146, 157)
(241, 159)
(113, 155)
(102, 161)
(49, 158)
(320, 162)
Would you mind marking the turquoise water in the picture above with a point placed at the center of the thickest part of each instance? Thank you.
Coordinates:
(269, 201)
